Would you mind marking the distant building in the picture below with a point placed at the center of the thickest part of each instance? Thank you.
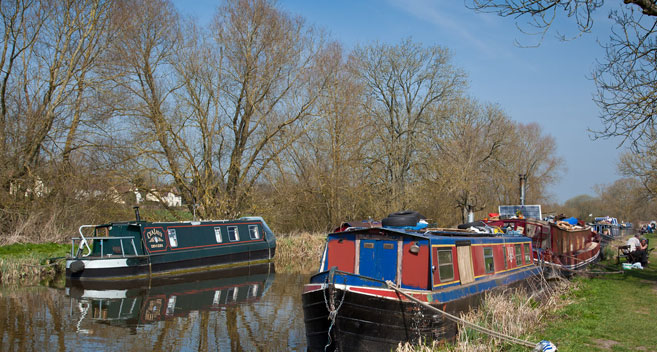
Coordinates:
(169, 198)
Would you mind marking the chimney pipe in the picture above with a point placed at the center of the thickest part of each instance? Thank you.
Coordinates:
(523, 179)
(137, 213)
(470, 216)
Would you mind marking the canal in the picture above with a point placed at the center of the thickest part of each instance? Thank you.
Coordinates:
(249, 312)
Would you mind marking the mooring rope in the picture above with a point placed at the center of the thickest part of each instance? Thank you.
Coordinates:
(464, 322)
(333, 312)
(584, 272)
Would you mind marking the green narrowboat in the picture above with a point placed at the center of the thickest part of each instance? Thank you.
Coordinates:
(141, 249)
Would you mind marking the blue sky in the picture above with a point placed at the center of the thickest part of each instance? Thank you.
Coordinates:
(547, 84)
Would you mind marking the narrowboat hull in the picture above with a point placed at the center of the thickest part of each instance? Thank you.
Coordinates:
(141, 250)
(369, 318)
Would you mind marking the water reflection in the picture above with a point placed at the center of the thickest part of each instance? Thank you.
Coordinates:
(253, 311)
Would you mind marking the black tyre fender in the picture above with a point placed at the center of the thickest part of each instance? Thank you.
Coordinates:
(402, 218)
(76, 266)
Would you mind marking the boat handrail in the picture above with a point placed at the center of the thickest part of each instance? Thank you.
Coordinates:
(102, 240)
(83, 242)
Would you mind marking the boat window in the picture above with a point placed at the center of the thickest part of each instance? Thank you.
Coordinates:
(171, 305)
(445, 265)
(233, 234)
(217, 298)
(564, 242)
(217, 234)
(528, 257)
(489, 262)
(253, 232)
(518, 255)
(173, 239)
(506, 258)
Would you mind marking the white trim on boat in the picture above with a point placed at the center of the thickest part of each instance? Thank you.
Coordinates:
(100, 263)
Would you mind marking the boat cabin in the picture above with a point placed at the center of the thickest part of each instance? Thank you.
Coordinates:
(425, 261)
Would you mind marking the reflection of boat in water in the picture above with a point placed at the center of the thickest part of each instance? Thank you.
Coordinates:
(167, 298)
(142, 249)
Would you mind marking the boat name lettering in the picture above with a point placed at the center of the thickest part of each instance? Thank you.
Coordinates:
(155, 238)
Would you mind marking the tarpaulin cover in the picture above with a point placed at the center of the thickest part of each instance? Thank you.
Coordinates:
(571, 220)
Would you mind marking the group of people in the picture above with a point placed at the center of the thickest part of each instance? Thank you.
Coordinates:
(649, 228)
(638, 249)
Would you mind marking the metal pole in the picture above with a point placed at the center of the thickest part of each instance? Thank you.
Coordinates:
(523, 179)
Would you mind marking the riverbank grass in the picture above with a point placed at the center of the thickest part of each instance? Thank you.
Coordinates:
(29, 263)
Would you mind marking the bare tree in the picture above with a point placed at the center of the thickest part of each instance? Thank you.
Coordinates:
(216, 112)
(269, 90)
(463, 152)
(531, 153)
(327, 174)
(403, 83)
(141, 57)
(642, 167)
(626, 80)
(543, 13)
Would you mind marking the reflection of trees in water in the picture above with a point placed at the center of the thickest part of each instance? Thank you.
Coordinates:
(56, 312)
(233, 331)
(203, 332)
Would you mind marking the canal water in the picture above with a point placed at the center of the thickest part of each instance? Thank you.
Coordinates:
(249, 312)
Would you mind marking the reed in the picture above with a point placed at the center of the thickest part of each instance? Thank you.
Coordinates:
(299, 252)
(515, 313)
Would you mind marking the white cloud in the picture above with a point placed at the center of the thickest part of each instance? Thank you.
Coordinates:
(455, 21)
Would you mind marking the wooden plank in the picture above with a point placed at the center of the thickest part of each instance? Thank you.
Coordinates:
(466, 271)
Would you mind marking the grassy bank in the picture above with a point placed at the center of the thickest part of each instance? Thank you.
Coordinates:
(609, 313)
(29, 264)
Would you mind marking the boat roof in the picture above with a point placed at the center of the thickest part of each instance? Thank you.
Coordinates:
(190, 222)
(434, 234)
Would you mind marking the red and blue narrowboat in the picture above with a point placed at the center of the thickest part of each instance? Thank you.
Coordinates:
(349, 306)
(137, 250)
